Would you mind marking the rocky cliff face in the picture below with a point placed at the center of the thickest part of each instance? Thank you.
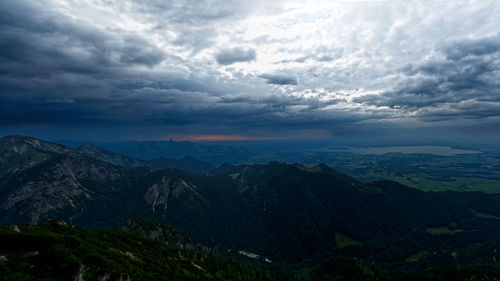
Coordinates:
(41, 180)
(166, 234)
(62, 182)
(22, 145)
(18, 153)
(171, 186)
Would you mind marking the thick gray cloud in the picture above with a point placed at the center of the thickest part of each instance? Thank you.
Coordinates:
(475, 47)
(238, 54)
(460, 81)
(279, 79)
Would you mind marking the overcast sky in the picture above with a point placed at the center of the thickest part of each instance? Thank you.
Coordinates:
(237, 70)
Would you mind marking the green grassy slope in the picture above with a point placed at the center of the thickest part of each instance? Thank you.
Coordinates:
(56, 251)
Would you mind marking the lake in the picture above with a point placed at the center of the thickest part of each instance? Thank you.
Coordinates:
(426, 149)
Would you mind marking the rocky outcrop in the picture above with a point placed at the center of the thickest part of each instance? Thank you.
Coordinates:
(158, 194)
(166, 234)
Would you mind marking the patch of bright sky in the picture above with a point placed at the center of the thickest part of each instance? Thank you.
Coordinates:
(367, 41)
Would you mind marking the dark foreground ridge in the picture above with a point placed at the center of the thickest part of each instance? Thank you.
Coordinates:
(57, 251)
(145, 250)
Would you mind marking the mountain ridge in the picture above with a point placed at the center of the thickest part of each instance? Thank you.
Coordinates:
(284, 212)
(188, 163)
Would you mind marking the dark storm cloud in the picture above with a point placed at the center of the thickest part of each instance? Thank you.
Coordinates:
(466, 74)
(279, 79)
(151, 64)
(54, 55)
(479, 47)
(238, 54)
(56, 70)
(136, 50)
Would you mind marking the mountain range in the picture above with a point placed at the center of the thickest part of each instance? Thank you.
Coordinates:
(208, 152)
(286, 216)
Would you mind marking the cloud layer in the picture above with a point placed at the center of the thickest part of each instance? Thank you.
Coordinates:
(230, 56)
(319, 69)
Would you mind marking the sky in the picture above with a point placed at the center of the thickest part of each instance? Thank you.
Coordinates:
(207, 70)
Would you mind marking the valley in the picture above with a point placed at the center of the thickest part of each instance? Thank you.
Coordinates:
(429, 168)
